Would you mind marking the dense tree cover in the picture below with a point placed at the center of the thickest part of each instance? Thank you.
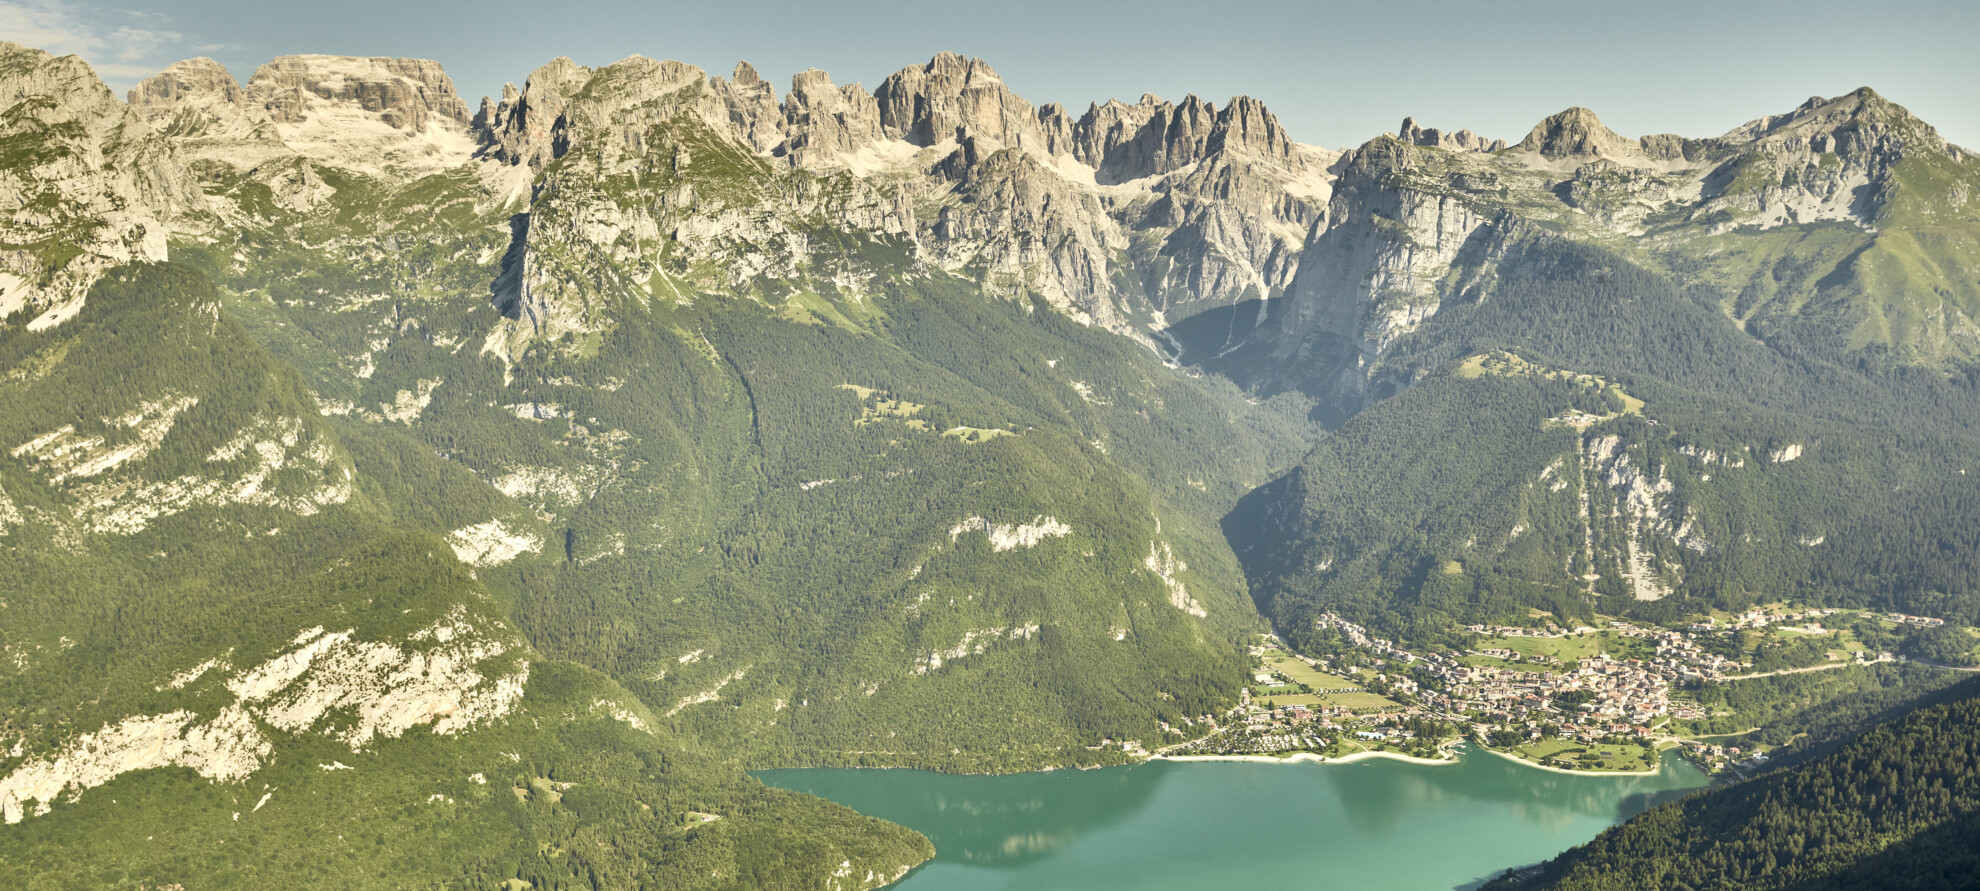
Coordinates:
(747, 499)
(561, 793)
(1894, 808)
(1810, 710)
(1767, 472)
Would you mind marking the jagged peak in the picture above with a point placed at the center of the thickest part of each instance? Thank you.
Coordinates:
(745, 75)
(560, 70)
(971, 68)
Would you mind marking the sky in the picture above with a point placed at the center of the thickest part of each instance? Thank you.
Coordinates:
(1335, 73)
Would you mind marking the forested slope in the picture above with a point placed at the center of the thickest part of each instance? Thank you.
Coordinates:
(1898, 807)
(288, 687)
(1583, 437)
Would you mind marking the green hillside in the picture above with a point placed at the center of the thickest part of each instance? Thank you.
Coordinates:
(168, 567)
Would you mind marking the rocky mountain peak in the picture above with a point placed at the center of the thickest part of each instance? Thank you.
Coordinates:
(925, 104)
(94, 188)
(199, 98)
(822, 121)
(1577, 133)
(1851, 124)
(521, 128)
(406, 94)
(752, 106)
(189, 80)
(1431, 137)
(1246, 125)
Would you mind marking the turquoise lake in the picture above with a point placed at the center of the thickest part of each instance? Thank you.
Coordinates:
(1160, 825)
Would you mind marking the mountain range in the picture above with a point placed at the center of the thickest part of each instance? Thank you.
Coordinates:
(499, 482)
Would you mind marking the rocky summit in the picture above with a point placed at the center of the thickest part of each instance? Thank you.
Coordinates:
(478, 490)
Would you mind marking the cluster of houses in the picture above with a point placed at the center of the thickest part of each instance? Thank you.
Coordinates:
(1920, 621)
(1717, 758)
(1550, 630)
(1611, 697)
(1757, 618)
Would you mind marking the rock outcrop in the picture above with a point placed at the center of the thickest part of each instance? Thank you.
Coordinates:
(523, 128)
(823, 122)
(1461, 141)
(753, 108)
(87, 183)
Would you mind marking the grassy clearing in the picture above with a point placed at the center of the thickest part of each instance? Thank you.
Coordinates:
(1504, 364)
(877, 406)
(974, 435)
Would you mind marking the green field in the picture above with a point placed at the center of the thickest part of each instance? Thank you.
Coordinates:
(1629, 757)
(1281, 699)
(1360, 701)
(1301, 673)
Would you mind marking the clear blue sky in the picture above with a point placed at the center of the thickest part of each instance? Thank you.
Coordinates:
(1335, 73)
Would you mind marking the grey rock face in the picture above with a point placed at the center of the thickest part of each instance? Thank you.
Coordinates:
(188, 81)
(1151, 137)
(822, 121)
(404, 93)
(522, 128)
(753, 108)
(97, 188)
(926, 104)
(1373, 273)
(199, 98)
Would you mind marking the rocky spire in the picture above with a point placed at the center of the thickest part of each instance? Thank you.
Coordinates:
(752, 105)
(1245, 125)
(821, 120)
(521, 129)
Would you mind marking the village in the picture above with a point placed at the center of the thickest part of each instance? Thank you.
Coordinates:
(1575, 698)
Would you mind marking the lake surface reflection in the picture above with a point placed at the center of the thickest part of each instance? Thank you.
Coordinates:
(1371, 824)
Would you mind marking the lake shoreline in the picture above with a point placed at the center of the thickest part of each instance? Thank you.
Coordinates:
(1575, 773)
(1311, 758)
